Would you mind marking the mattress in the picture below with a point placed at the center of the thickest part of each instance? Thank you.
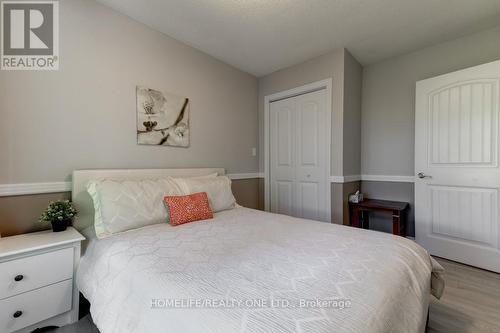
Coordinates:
(252, 271)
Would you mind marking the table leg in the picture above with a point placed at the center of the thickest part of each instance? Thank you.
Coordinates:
(355, 217)
(396, 223)
(366, 219)
(404, 223)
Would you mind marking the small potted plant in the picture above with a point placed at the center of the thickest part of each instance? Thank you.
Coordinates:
(60, 214)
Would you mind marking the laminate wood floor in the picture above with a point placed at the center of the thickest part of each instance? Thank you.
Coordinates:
(470, 303)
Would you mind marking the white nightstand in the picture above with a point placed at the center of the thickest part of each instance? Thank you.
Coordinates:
(37, 285)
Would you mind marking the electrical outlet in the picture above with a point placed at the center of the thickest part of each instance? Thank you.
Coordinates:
(254, 151)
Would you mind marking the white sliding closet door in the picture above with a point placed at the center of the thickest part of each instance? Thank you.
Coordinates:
(298, 140)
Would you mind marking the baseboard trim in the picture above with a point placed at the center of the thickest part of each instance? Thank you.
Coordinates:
(7, 190)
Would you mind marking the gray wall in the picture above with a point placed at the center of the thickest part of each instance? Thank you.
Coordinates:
(330, 65)
(84, 115)
(346, 73)
(19, 214)
(388, 106)
(353, 77)
(390, 191)
(388, 103)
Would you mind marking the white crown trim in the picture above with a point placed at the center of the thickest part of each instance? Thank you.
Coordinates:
(374, 178)
(58, 187)
(345, 179)
(388, 178)
(251, 175)
(34, 188)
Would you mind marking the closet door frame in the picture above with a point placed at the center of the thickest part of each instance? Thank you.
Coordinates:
(311, 87)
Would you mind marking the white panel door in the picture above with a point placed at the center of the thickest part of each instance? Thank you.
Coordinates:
(456, 160)
(282, 172)
(299, 179)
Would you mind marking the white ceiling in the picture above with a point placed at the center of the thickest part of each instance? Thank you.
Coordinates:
(261, 36)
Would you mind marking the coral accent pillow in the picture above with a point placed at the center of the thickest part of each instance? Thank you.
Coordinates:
(188, 208)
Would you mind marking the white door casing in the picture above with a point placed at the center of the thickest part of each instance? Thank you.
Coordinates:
(456, 152)
(299, 178)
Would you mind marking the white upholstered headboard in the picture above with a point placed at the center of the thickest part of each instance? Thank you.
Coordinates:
(83, 203)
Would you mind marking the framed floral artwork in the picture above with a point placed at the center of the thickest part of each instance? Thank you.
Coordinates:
(162, 118)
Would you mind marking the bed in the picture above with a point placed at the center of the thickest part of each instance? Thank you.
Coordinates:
(249, 271)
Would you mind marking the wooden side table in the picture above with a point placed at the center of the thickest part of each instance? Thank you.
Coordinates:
(360, 216)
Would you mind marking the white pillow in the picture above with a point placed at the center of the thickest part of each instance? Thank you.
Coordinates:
(218, 190)
(121, 205)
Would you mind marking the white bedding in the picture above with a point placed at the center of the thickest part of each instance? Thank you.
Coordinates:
(252, 257)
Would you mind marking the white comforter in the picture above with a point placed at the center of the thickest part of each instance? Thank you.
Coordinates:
(222, 275)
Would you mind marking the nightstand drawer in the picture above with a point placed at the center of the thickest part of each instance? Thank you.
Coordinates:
(34, 306)
(28, 273)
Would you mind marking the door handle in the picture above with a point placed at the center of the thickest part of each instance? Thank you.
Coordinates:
(422, 175)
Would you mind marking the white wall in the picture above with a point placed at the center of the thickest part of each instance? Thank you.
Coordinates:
(388, 103)
(84, 116)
